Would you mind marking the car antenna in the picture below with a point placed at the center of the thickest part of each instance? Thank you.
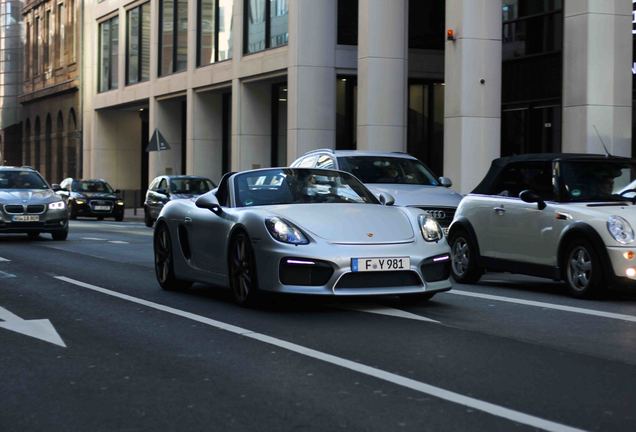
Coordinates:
(607, 153)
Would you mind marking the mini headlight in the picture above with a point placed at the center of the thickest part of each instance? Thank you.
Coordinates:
(59, 205)
(431, 230)
(620, 229)
(285, 231)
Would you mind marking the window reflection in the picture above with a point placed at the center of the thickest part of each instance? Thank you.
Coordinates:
(266, 22)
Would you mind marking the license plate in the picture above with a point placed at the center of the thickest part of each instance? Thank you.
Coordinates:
(102, 208)
(26, 218)
(380, 264)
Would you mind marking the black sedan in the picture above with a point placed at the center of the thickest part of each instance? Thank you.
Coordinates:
(91, 198)
(166, 188)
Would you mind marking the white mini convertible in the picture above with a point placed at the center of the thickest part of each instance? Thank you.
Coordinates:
(568, 217)
(300, 231)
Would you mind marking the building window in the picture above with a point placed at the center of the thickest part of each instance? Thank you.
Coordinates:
(27, 66)
(59, 39)
(279, 124)
(425, 128)
(214, 37)
(532, 70)
(36, 47)
(48, 35)
(346, 112)
(348, 22)
(138, 44)
(73, 33)
(108, 54)
(173, 37)
(426, 24)
(265, 24)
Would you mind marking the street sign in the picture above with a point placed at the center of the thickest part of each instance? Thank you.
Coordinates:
(38, 328)
(157, 142)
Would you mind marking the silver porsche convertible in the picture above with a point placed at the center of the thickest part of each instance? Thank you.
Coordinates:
(300, 231)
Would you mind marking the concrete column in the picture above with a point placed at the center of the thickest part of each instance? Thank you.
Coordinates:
(311, 85)
(597, 89)
(255, 125)
(472, 100)
(205, 120)
(165, 115)
(382, 74)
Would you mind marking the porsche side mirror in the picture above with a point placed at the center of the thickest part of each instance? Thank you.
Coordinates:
(445, 181)
(209, 201)
(530, 196)
(386, 199)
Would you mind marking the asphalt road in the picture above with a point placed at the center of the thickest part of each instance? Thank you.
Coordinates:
(511, 353)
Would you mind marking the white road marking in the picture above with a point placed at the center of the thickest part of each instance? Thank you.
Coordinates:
(93, 238)
(118, 242)
(383, 310)
(4, 259)
(450, 396)
(5, 275)
(592, 312)
(39, 328)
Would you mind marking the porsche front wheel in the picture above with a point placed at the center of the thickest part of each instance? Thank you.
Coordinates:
(164, 263)
(242, 266)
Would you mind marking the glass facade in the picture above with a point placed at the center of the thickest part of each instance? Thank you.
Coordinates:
(214, 31)
(266, 24)
(279, 124)
(138, 44)
(348, 22)
(173, 36)
(426, 123)
(346, 112)
(108, 54)
(532, 73)
(426, 24)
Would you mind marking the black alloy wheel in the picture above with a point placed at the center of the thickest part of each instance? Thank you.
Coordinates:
(464, 266)
(242, 266)
(584, 274)
(164, 265)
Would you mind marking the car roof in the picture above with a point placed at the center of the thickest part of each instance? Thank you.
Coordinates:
(499, 164)
(12, 168)
(345, 153)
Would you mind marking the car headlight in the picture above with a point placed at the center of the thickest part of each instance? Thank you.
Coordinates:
(59, 205)
(620, 229)
(285, 231)
(119, 202)
(80, 201)
(431, 230)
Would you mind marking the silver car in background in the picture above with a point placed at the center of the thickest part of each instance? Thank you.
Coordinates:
(401, 175)
(28, 204)
(300, 231)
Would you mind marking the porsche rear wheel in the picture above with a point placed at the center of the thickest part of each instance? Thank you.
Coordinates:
(164, 264)
(464, 258)
(242, 268)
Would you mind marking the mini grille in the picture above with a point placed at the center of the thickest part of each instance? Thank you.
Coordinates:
(379, 279)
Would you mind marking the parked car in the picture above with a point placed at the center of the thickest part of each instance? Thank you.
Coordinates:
(29, 205)
(91, 198)
(301, 231)
(166, 188)
(404, 177)
(561, 216)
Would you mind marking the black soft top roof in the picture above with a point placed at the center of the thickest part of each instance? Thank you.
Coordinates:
(499, 164)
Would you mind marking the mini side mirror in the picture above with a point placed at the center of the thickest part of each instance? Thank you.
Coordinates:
(445, 181)
(209, 201)
(386, 199)
(530, 196)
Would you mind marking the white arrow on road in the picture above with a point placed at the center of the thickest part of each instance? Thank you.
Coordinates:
(39, 328)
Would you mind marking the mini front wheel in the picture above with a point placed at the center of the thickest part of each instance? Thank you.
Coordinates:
(464, 266)
(584, 274)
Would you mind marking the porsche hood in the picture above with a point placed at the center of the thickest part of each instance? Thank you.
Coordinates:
(349, 223)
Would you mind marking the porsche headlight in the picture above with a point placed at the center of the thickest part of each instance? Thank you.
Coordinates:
(620, 229)
(431, 230)
(285, 231)
(59, 205)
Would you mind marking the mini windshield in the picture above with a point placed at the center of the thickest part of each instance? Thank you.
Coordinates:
(190, 186)
(299, 186)
(597, 180)
(22, 180)
(91, 186)
(387, 169)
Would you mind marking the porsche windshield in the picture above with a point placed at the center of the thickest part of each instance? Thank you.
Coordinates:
(299, 186)
(21, 180)
(598, 180)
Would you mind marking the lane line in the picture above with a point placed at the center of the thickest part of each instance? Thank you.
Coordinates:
(592, 312)
(383, 310)
(5, 275)
(93, 238)
(118, 242)
(450, 396)
(4, 259)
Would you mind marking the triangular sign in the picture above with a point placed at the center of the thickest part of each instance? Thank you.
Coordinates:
(157, 142)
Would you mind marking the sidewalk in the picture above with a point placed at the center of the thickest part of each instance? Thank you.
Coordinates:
(129, 214)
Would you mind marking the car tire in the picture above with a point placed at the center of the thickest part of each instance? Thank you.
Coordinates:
(72, 211)
(464, 266)
(164, 262)
(583, 269)
(415, 299)
(242, 271)
(100, 218)
(147, 219)
(33, 235)
(119, 218)
(59, 235)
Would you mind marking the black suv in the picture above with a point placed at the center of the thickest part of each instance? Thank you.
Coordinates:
(91, 198)
(29, 205)
(169, 187)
